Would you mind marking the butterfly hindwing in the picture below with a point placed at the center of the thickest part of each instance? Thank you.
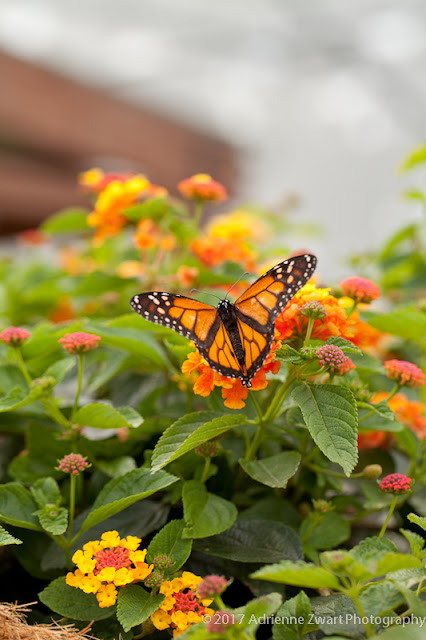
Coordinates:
(256, 346)
(266, 298)
(220, 354)
(191, 318)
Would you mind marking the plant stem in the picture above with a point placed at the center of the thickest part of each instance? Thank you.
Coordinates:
(352, 309)
(197, 213)
(56, 413)
(256, 406)
(353, 593)
(393, 392)
(388, 517)
(328, 472)
(80, 380)
(73, 479)
(22, 365)
(205, 474)
(308, 331)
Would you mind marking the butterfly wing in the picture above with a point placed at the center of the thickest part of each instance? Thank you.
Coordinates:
(193, 319)
(259, 306)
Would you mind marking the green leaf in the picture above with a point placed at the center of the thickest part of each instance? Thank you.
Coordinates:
(59, 369)
(257, 609)
(46, 491)
(53, 519)
(154, 208)
(189, 432)
(405, 322)
(73, 603)
(330, 413)
(124, 491)
(344, 345)
(291, 620)
(103, 416)
(394, 562)
(17, 506)
(11, 377)
(274, 471)
(329, 533)
(379, 598)
(135, 605)
(420, 521)
(298, 574)
(417, 542)
(285, 353)
(246, 541)
(67, 220)
(414, 159)
(6, 538)
(140, 344)
(400, 632)
(405, 233)
(329, 614)
(117, 466)
(206, 514)
(45, 449)
(381, 408)
(169, 541)
(19, 398)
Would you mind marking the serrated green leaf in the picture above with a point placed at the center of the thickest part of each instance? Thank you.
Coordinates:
(53, 519)
(135, 605)
(19, 398)
(381, 408)
(246, 541)
(72, 602)
(17, 506)
(103, 416)
(124, 491)
(6, 538)
(66, 221)
(417, 542)
(420, 521)
(330, 413)
(344, 345)
(298, 574)
(292, 619)
(379, 598)
(274, 471)
(169, 541)
(190, 432)
(285, 353)
(46, 491)
(206, 514)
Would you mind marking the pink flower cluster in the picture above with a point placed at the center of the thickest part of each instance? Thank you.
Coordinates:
(396, 483)
(73, 463)
(14, 336)
(333, 357)
(405, 373)
(360, 289)
(211, 586)
(79, 342)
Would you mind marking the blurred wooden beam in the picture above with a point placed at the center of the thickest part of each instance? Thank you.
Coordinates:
(51, 128)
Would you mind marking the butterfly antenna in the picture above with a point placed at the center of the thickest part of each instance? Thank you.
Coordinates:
(206, 293)
(246, 273)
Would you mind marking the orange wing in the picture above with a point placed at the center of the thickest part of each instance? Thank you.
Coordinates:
(264, 300)
(191, 318)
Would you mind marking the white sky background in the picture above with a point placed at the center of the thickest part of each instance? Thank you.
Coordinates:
(323, 98)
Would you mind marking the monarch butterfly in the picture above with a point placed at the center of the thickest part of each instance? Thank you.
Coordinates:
(234, 338)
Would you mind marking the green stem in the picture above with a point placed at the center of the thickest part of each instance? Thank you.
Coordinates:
(355, 597)
(73, 479)
(220, 603)
(393, 392)
(308, 331)
(205, 474)
(328, 472)
(80, 380)
(352, 309)
(269, 416)
(197, 213)
(256, 406)
(22, 365)
(56, 413)
(388, 517)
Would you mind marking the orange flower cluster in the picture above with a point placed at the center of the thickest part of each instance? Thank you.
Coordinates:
(233, 391)
(202, 187)
(227, 239)
(149, 235)
(408, 412)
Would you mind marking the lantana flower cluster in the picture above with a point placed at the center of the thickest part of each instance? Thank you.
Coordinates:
(109, 563)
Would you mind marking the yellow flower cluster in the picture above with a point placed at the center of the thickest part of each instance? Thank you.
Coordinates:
(108, 563)
(182, 606)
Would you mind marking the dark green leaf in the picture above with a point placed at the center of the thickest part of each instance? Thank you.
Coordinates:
(103, 416)
(206, 514)
(53, 519)
(274, 471)
(169, 541)
(285, 353)
(17, 506)
(140, 344)
(329, 533)
(72, 602)
(344, 345)
(288, 623)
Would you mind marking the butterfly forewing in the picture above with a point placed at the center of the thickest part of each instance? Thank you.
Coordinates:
(191, 318)
(266, 298)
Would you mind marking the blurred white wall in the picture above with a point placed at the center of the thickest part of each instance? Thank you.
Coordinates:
(322, 98)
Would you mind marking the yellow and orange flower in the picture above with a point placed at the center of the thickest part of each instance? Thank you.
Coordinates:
(182, 605)
(233, 391)
(202, 187)
(108, 563)
(149, 235)
(108, 215)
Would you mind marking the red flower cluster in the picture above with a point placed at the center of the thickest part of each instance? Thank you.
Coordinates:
(396, 483)
(202, 187)
(79, 342)
(360, 289)
(14, 336)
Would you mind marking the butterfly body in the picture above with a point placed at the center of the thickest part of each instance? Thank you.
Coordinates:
(234, 338)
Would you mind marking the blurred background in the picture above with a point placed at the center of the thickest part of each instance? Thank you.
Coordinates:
(316, 102)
